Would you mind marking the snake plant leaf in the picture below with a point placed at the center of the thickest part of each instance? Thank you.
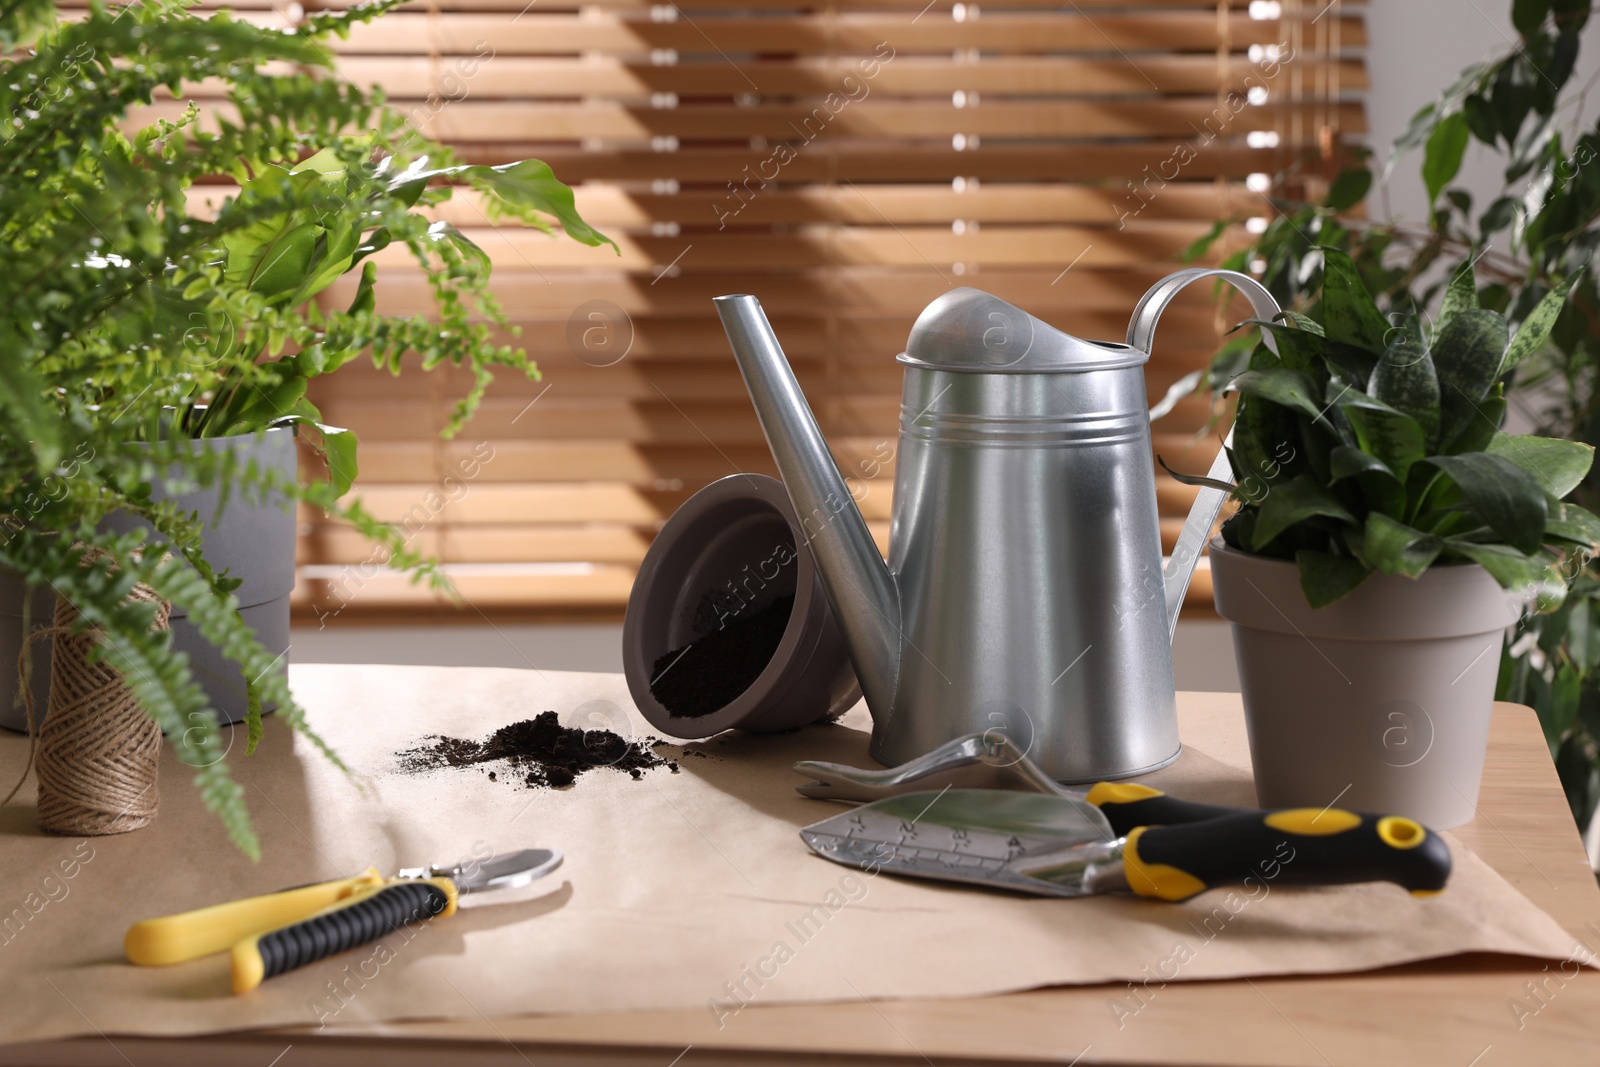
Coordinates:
(1349, 314)
(1569, 522)
(1535, 329)
(1305, 322)
(1462, 295)
(1383, 491)
(1350, 364)
(1325, 578)
(1347, 462)
(1288, 388)
(1501, 494)
(1198, 479)
(1466, 355)
(1478, 426)
(1300, 498)
(1298, 349)
(1558, 466)
(1392, 436)
(1405, 380)
(1395, 548)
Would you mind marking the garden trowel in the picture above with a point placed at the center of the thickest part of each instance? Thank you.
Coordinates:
(1064, 846)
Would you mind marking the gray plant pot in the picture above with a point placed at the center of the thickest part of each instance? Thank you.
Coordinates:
(1379, 702)
(737, 537)
(252, 539)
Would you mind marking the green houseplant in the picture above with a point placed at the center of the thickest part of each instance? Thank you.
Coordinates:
(1388, 528)
(132, 327)
(1541, 228)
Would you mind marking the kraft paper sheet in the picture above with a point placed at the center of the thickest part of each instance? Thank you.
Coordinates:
(680, 891)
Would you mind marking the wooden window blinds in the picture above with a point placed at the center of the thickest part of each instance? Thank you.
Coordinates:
(846, 162)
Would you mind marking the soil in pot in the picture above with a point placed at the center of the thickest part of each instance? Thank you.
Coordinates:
(710, 672)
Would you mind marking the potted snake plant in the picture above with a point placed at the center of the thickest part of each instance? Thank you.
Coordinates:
(1387, 535)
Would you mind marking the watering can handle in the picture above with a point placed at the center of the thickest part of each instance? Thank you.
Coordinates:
(1141, 332)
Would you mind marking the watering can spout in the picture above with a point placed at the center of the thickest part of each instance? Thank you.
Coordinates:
(859, 584)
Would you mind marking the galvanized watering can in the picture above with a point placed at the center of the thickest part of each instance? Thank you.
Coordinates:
(1024, 592)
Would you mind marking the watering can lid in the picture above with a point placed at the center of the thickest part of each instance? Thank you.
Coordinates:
(969, 330)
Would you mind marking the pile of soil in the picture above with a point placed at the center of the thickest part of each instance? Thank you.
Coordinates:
(541, 752)
(711, 671)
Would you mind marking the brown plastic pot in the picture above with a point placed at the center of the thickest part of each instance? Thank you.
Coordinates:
(736, 545)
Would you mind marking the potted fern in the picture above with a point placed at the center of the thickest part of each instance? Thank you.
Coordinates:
(1388, 534)
(150, 353)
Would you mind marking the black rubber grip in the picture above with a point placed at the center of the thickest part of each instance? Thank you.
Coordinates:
(1296, 847)
(350, 925)
(1127, 815)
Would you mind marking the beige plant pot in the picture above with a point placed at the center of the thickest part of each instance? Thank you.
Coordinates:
(1379, 702)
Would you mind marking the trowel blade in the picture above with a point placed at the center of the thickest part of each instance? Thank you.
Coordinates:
(978, 836)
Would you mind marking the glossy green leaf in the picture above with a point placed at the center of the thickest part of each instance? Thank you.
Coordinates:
(1572, 523)
(1528, 15)
(526, 186)
(1511, 568)
(1480, 118)
(1556, 465)
(1441, 159)
(1289, 388)
(1535, 329)
(338, 449)
(1291, 502)
(1501, 494)
(1326, 578)
(1395, 548)
(1348, 189)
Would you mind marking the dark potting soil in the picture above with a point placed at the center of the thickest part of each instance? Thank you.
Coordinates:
(710, 672)
(541, 751)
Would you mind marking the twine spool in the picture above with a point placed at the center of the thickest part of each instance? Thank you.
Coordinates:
(98, 752)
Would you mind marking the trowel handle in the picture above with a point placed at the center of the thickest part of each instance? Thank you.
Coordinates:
(1141, 333)
(1128, 806)
(1302, 846)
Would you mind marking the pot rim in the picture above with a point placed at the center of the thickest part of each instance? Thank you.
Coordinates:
(1448, 600)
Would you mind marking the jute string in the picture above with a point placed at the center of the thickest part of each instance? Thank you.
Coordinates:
(97, 752)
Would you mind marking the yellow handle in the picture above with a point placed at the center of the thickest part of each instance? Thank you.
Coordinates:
(192, 934)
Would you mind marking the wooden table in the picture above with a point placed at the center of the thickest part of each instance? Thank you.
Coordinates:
(1462, 1012)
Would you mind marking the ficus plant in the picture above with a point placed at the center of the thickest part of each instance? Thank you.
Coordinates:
(132, 323)
(1540, 232)
(1396, 461)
